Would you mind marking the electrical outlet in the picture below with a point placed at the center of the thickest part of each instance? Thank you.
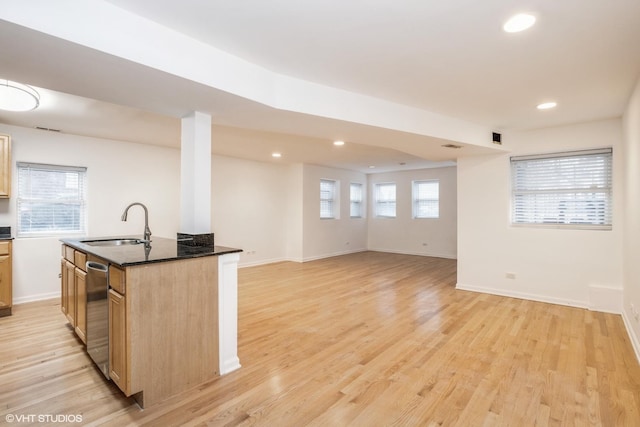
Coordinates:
(510, 275)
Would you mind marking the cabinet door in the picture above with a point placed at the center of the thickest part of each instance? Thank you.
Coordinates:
(81, 304)
(71, 292)
(5, 166)
(5, 285)
(64, 290)
(118, 365)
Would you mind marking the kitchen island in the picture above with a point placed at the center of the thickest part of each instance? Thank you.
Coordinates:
(172, 311)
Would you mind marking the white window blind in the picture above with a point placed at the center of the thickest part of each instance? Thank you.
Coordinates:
(568, 189)
(51, 200)
(426, 199)
(327, 198)
(385, 197)
(355, 195)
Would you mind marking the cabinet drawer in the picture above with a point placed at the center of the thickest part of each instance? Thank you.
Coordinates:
(117, 279)
(69, 253)
(80, 260)
(5, 248)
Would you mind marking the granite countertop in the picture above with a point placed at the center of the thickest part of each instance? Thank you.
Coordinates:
(159, 250)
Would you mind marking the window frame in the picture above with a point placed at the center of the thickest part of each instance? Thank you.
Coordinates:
(331, 201)
(596, 195)
(416, 200)
(378, 203)
(357, 201)
(29, 201)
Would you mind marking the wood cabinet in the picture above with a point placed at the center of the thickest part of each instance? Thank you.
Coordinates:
(162, 317)
(64, 291)
(81, 303)
(6, 285)
(80, 283)
(118, 365)
(163, 328)
(64, 283)
(73, 292)
(5, 166)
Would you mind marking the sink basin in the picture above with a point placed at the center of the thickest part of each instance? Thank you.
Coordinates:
(112, 242)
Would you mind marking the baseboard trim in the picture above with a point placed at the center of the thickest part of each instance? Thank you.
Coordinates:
(317, 257)
(230, 365)
(426, 254)
(635, 340)
(605, 299)
(261, 262)
(524, 295)
(330, 255)
(38, 297)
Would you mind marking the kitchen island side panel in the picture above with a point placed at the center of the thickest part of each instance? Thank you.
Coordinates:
(172, 324)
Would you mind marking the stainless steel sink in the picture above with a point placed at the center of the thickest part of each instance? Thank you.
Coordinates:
(112, 242)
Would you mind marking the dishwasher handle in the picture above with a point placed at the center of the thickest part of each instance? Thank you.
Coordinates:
(97, 267)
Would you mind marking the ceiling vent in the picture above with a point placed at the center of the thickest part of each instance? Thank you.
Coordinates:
(48, 129)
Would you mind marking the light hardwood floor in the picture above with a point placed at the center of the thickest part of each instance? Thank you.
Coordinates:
(367, 339)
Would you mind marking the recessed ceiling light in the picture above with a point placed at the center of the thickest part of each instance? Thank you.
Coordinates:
(519, 22)
(546, 105)
(276, 155)
(372, 167)
(338, 143)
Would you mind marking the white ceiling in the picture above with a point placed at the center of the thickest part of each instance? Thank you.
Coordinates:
(449, 58)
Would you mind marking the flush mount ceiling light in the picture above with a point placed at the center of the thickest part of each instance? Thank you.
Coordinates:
(16, 96)
(519, 22)
(546, 105)
(338, 143)
(276, 155)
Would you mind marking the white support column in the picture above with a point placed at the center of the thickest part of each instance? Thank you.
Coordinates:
(195, 220)
(195, 174)
(228, 312)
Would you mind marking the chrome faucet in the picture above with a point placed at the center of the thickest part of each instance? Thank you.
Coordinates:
(147, 231)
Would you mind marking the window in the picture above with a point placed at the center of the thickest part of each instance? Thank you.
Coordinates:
(51, 200)
(356, 200)
(385, 196)
(426, 199)
(327, 198)
(567, 189)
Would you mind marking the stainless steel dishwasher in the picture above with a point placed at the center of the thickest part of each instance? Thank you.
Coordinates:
(98, 314)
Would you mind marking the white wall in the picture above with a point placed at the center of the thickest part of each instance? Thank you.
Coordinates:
(328, 237)
(404, 234)
(270, 211)
(574, 267)
(294, 213)
(632, 217)
(118, 173)
(249, 208)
